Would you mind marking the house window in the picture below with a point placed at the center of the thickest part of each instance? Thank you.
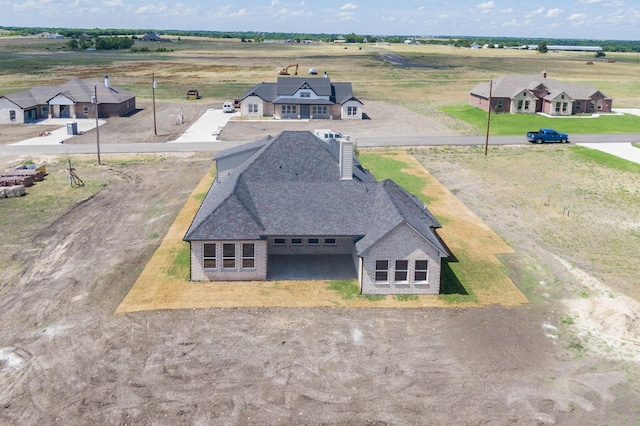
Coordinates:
(228, 256)
(296, 241)
(352, 111)
(520, 105)
(253, 108)
(593, 106)
(319, 110)
(85, 109)
(45, 110)
(329, 241)
(305, 94)
(402, 267)
(564, 106)
(421, 271)
(209, 258)
(599, 105)
(557, 106)
(12, 115)
(578, 105)
(279, 241)
(500, 103)
(313, 241)
(248, 256)
(382, 271)
(289, 109)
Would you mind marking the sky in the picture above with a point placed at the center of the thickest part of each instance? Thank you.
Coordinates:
(575, 19)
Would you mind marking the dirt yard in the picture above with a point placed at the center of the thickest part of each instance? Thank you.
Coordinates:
(65, 358)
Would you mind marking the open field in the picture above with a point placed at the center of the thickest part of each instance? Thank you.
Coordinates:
(570, 357)
(562, 359)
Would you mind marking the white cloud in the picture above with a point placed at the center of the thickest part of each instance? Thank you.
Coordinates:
(589, 1)
(349, 6)
(507, 11)
(486, 5)
(554, 12)
(577, 17)
(113, 3)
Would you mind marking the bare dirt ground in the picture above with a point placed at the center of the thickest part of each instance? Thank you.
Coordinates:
(66, 359)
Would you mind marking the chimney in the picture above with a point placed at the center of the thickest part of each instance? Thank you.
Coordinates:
(346, 159)
(106, 81)
(544, 74)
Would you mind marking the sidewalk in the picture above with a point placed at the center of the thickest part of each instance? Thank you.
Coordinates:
(207, 128)
(60, 135)
(622, 150)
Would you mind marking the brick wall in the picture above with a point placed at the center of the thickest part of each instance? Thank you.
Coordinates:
(198, 273)
(402, 244)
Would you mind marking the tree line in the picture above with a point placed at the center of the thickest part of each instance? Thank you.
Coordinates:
(256, 36)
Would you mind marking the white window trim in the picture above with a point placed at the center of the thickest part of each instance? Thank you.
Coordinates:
(214, 257)
(416, 270)
(235, 262)
(376, 270)
(248, 257)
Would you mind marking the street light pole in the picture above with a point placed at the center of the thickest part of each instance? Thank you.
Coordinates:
(154, 85)
(94, 100)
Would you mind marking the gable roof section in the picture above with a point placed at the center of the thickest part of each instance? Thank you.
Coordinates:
(291, 186)
(286, 87)
(508, 85)
(75, 89)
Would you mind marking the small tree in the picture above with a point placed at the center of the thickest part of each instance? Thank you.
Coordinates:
(600, 54)
(542, 47)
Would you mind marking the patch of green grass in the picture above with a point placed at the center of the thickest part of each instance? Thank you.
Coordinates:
(349, 290)
(406, 297)
(180, 266)
(520, 124)
(154, 236)
(199, 197)
(384, 167)
(604, 159)
(452, 290)
(135, 160)
(346, 289)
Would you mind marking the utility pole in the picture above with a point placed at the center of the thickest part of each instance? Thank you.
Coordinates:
(486, 141)
(94, 101)
(154, 85)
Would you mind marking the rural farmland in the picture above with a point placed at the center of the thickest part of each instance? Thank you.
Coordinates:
(71, 256)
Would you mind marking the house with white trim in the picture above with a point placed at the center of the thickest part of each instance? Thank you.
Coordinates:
(296, 198)
(72, 99)
(301, 98)
(530, 94)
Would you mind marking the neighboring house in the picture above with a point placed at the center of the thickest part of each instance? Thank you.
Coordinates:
(302, 98)
(154, 37)
(294, 197)
(530, 94)
(69, 100)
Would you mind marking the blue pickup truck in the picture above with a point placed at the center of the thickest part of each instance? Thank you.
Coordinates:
(547, 135)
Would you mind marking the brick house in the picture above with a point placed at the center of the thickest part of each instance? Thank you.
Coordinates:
(301, 98)
(69, 100)
(530, 94)
(294, 197)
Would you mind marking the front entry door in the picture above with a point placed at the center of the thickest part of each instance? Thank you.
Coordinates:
(304, 111)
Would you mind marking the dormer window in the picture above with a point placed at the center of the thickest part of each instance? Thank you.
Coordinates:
(305, 94)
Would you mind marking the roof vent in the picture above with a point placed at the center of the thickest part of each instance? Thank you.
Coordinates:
(544, 74)
(346, 160)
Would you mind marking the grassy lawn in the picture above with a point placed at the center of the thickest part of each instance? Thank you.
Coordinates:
(519, 124)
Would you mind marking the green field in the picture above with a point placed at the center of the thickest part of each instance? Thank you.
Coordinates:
(512, 124)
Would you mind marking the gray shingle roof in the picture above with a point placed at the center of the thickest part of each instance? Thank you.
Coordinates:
(508, 86)
(75, 89)
(291, 187)
(286, 87)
